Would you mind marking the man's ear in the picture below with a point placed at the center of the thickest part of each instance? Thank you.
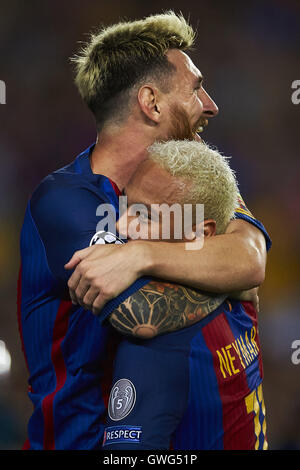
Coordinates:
(206, 227)
(209, 228)
(148, 101)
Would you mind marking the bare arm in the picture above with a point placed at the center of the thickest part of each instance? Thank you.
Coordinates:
(234, 261)
(231, 262)
(160, 308)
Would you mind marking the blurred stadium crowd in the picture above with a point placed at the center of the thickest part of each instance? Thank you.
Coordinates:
(248, 53)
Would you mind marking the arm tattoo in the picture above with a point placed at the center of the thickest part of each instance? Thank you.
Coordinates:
(161, 307)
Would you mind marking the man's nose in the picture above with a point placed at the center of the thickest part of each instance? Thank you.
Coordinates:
(210, 109)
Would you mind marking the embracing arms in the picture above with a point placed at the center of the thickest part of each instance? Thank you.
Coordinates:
(160, 307)
(103, 272)
(231, 262)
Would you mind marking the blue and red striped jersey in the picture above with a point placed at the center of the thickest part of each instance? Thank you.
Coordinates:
(198, 388)
(225, 407)
(65, 347)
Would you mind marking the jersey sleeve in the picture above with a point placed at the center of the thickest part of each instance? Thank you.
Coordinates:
(116, 301)
(242, 212)
(65, 216)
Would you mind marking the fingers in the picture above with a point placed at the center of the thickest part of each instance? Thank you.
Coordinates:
(99, 303)
(94, 299)
(90, 297)
(96, 277)
(73, 262)
(82, 292)
(77, 257)
(77, 288)
(79, 284)
(72, 284)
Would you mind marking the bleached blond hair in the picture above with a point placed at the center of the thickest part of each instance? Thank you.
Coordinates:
(120, 56)
(207, 174)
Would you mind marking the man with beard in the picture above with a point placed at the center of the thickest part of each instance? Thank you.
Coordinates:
(141, 87)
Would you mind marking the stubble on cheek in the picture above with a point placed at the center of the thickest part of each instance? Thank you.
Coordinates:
(180, 125)
(181, 128)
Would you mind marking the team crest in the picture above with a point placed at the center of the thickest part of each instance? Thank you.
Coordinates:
(122, 399)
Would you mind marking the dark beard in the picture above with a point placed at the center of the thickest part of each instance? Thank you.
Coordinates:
(181, 128)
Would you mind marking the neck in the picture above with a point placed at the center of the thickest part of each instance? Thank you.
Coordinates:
(118, 154)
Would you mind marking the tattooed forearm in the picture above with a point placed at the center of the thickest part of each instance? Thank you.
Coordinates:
(160, 308)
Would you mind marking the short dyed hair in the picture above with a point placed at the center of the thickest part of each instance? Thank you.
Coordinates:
(121, 56)
(207, 174)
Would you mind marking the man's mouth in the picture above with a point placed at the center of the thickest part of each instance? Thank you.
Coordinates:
(202, 125)
(199, 129)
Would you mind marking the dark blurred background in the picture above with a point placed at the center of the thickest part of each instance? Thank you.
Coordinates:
(249, 55)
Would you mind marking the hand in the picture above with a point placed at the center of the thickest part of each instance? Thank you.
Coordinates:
(102, 272)
(250, 295)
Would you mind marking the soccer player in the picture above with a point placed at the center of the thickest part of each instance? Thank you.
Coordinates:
(141, 87)
(198, 387)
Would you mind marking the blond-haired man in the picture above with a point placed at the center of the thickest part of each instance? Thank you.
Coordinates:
(141, 86)
(199, 387)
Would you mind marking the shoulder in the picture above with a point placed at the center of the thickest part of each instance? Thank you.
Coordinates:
(65, 197)
(60, 183)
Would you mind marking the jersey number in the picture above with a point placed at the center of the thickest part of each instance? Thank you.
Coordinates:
(255, 403)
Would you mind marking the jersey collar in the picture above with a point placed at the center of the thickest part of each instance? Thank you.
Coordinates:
(83, 166)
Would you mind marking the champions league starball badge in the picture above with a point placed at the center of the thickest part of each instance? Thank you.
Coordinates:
(122, 399)
(105, 238)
